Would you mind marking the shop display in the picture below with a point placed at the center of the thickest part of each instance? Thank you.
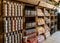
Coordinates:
(26, 23)
(13, 23)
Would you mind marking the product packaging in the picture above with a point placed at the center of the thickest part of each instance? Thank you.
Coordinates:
(40, 38)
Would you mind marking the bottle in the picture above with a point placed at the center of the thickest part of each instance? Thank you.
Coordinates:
(18, 19)
(9, 38)
(5, 38)
(12, 21)
(21, 10)
(9, 24)
(21, 37)
(15, 22)
(21, 23)
(18, 9)
(18, 34)
(5, 8)
(16, 38)
(12, 35)
(9, 8)
(5, 25)
(15, 9)
(12, 7)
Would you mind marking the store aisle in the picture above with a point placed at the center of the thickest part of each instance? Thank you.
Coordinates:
(55, 38)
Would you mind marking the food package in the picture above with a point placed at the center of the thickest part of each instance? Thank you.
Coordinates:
(39, 12)
(30, 40)
(47, 20)
(47, 34)
(47, 28)
(34, 40)
(46, 12)
(40, 21)
(40, 38)
(40, 30)
(28, 25)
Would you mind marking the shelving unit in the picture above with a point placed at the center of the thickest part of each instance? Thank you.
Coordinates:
(12, 22)
(27, 22)
(30, 23)
(53, 21)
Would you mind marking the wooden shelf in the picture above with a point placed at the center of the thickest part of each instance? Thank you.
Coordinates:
(41, 25)
(34, 2)
(37, 15)
(30, 27)
(46, 5)
(47, 16)
(30, 16)
(12, 16)
(13, 31)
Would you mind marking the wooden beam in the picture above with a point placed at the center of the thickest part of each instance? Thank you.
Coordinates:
(44, 4)
(35, 2)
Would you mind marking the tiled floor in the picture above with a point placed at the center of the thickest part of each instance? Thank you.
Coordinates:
(55, 38)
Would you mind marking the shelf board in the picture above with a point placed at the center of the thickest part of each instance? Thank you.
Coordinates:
(53, 21)
(56, 16)
(30, 28)
(39, 16)
(13, 31)
(48, 23)
(52, 15)
(46, 5)
(41, 34)
(30, 16)
(12, 16)
(34, 2)
(47, 16)
(40, 25)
